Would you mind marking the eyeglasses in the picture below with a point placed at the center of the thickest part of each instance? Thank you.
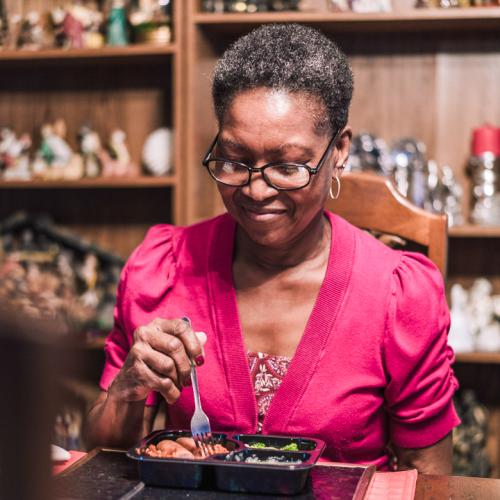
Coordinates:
(278, 175)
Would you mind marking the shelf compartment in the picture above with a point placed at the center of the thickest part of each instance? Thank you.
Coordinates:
(416, 19)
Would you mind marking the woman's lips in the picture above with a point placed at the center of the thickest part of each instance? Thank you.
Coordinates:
(263, 214)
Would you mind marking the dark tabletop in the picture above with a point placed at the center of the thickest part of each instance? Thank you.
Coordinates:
(110, 475)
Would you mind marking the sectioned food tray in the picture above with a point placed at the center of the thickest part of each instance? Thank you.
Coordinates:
(232, 472)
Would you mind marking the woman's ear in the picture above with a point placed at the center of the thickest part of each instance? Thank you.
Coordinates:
(343, 145)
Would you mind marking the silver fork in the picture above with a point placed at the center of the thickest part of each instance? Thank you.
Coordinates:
(200, 425)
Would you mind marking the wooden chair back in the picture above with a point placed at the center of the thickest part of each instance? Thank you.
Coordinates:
(371, 202)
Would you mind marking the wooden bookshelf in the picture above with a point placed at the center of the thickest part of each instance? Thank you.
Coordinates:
(137, 88)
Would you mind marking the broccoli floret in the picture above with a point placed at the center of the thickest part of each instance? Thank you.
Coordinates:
(257, 445)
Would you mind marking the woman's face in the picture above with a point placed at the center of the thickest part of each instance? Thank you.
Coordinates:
(262, 126)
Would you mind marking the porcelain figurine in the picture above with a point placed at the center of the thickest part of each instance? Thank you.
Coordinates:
(90, 146)
(14, 155)
(55, 159)
(460, 336)
(31, 32)
(117, 24)
(73, 31)
(150, 21)
(93, 38)
(488, 338)
(56, 17)
(90, 19)
(157, 152)
(55, 150)
(4, 25)
(116, 160)
(88, 273)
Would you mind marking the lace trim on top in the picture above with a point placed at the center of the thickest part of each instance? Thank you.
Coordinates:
(267, 372)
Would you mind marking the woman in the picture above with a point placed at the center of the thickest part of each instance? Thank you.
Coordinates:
(353, 333)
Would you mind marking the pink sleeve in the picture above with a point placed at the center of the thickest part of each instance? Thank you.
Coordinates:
(157, 245)
(417, 357)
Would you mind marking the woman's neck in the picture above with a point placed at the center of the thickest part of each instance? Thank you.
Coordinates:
(313, 243)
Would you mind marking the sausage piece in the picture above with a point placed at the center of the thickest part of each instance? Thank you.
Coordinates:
(172, 449)
(188, 443)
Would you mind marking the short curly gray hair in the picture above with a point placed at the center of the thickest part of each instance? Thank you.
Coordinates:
(289, 57)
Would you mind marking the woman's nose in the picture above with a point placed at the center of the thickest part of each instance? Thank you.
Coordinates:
(258, 189)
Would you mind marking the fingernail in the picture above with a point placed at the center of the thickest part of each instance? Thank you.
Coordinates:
(199, 360)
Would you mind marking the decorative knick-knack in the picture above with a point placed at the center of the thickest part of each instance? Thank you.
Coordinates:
(157, 152)
(90, 147)
(116, 160)
(117, 24)
(73, 31)
(4, 24)
(14, 155)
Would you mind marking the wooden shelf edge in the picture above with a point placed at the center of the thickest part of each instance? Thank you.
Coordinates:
(478, 357)
(456, 14)
(427, 19)
(105, 52)
(100, 183)
(474, 231)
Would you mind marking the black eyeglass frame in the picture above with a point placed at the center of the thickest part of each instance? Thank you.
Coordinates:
(312, 170)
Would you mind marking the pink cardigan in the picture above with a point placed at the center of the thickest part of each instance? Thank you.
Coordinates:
(373, 365)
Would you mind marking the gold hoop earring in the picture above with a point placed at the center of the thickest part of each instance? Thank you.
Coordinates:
(337, 194)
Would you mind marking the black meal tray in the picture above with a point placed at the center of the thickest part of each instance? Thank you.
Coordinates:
(229, 472)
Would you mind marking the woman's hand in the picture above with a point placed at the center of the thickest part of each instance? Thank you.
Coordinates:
(159, 360)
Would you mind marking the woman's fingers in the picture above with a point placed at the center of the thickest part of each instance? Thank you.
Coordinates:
(202, 338)
(183, 331)
(166, 387)
(161, 365)
(162, 354)
(172, 346)
(157, 372)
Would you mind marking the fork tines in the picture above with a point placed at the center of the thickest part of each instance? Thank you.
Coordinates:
(205, 442)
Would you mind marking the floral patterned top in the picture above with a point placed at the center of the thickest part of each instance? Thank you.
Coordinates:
(267, 372)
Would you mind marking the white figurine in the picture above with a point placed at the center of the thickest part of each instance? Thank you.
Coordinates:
(157, 152)
(55, 149)
(481, 305)
(488, 338)
(460, 336)
(14, 155)
(90, 146)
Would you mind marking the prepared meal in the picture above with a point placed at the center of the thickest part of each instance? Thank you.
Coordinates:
(281, 467)
(183, 447)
